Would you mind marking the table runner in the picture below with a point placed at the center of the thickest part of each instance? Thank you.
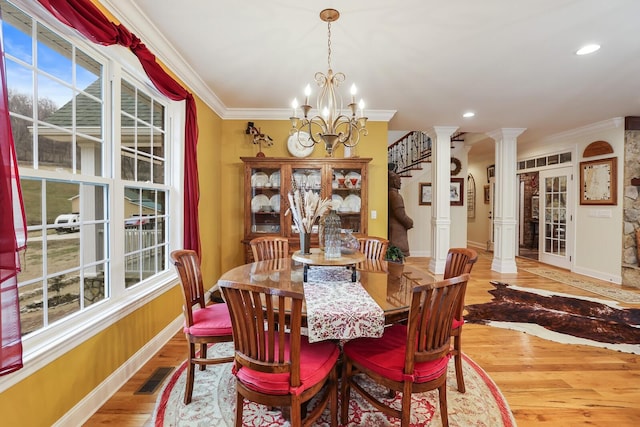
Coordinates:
(338, 308)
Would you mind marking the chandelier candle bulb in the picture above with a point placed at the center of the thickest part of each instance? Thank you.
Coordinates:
(307, 92)
(353, 93)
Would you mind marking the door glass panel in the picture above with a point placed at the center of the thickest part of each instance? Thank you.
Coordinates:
(555, 210)
(346, 197)
(266, 201)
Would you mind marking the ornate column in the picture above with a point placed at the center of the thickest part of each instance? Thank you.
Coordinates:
(506, 198)
(440, 198)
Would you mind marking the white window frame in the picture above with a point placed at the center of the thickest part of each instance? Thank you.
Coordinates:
(42, 347)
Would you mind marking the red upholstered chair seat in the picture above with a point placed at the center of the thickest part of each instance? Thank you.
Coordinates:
(457, 323)
(213, 320)
(386, 356)
(316, 361)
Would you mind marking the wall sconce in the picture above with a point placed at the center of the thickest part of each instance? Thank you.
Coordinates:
(258, 138)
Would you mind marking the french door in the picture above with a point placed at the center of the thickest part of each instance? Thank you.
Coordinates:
(556, 217)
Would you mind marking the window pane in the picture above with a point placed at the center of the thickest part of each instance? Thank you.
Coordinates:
(32, 262)
(144, 107)
(89, 116)
(54, 54)
(55, 154)
(32, 198)
(23, 140)
(158, 171)
(54, 102)
(158, 115)
(94, 285)
(89, 156)
(64, 296)
(128, 98)
(31, 307)
(88, 72)
(20, 88)
(17, 27)
(144, 168)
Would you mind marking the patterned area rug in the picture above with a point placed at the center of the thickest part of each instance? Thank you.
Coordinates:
(587, 285)
(559, 317)
(214, 397)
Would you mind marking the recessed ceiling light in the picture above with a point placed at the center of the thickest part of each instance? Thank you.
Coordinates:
(469, 114)
(590, 48)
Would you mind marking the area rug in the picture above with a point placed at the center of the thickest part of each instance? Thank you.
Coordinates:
(560, 317)
(214, 399)
(587, 285)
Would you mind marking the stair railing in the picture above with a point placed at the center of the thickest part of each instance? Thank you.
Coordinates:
(408, 152)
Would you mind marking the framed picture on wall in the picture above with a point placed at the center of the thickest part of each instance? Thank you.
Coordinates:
(491, 172)
(535, 207)
(424, 198)
(487, 195)
(456, 191)
(598, 185)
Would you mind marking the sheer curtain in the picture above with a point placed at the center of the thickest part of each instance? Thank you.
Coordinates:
(91, 22)
(12, 235)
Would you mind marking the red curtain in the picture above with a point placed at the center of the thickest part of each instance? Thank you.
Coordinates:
(85, 17)
(12, 236)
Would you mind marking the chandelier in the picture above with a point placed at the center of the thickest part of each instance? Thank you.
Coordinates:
(330, 124)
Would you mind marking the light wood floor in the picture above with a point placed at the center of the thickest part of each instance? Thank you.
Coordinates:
(545, 383)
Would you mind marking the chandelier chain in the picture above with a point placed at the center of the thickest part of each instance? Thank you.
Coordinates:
(329, 43)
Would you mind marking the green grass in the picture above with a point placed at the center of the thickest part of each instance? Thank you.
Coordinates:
(58, 195)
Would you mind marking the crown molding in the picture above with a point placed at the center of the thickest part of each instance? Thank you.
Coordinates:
(139, 24)
(613, 123)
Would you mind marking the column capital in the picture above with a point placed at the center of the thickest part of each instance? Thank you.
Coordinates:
(436, 132)
(505, 133)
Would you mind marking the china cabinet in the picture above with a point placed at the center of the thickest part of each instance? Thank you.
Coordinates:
(268, 180)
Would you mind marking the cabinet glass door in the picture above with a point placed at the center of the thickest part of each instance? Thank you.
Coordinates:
(265, 200)
(346, 192)
(307, 179)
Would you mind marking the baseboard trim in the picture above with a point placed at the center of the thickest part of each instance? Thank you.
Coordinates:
(82, 411)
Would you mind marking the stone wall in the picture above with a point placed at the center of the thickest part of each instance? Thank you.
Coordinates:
(631, 207)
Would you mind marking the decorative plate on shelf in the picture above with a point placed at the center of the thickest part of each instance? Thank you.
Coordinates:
(296, 148)
(274, 179)
(300, 179)
(260, 203)
(314, 180)
(259, 179)
(336, 202)
(352, 202)
(275, 202)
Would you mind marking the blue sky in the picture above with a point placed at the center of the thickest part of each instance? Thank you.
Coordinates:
(20, 59)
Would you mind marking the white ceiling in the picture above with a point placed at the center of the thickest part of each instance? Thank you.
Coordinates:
(511, 62)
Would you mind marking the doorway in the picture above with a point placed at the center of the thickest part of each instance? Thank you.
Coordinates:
(528, 215)
(556, 217)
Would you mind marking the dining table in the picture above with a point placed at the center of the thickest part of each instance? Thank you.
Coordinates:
(336, 307)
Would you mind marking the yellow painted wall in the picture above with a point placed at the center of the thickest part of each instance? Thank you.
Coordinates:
(235, 144)
(211, 190)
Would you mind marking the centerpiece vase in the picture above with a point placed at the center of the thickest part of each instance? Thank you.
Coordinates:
(332, 242)
(305, 243)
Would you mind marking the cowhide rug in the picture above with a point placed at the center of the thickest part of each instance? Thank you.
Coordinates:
(560, 317)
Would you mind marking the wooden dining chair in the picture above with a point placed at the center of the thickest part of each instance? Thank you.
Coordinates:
(373, 247)
(274, 364)
(459, 261)
(203, 325)
(409, 358)
(269, 247)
